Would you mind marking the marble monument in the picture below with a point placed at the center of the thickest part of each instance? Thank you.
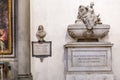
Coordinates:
(88, 58)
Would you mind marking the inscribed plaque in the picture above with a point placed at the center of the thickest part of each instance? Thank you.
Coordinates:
(41, 48)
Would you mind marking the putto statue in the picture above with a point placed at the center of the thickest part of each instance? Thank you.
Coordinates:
(87, 16)
(88, 26)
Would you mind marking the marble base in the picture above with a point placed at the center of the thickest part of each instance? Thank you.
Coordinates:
(89, 56)
(89, 77)
(88, 61)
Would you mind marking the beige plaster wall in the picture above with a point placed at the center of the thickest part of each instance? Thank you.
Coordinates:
(55, 15)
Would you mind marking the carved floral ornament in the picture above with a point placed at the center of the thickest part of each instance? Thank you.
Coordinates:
(88, 25)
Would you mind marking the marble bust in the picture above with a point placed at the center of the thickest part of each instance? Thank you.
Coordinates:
(40, 34)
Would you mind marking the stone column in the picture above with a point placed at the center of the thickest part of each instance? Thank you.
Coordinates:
(23, 40)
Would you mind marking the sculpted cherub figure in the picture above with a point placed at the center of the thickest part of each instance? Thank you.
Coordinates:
(87, 16)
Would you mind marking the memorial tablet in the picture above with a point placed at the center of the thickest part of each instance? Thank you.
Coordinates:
(41, 49)
(89, 59)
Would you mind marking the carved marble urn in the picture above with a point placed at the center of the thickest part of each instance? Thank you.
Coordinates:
(79, 32)
(88, 25)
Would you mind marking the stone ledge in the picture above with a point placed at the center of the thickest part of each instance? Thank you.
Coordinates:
(92, 44)
(25, 77)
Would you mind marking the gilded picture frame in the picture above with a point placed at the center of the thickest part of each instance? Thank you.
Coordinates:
(6, 27)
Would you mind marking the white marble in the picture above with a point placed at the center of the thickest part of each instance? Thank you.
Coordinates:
(78, 31)
(88, 25)
(89, 56)
(90, 77)
(89, 61)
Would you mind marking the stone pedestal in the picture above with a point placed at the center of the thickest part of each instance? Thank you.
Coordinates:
(88, 61)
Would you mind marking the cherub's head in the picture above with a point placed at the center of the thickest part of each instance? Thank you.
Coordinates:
(91, 4)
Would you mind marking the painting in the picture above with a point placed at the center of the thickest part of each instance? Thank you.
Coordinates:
(5, 27)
